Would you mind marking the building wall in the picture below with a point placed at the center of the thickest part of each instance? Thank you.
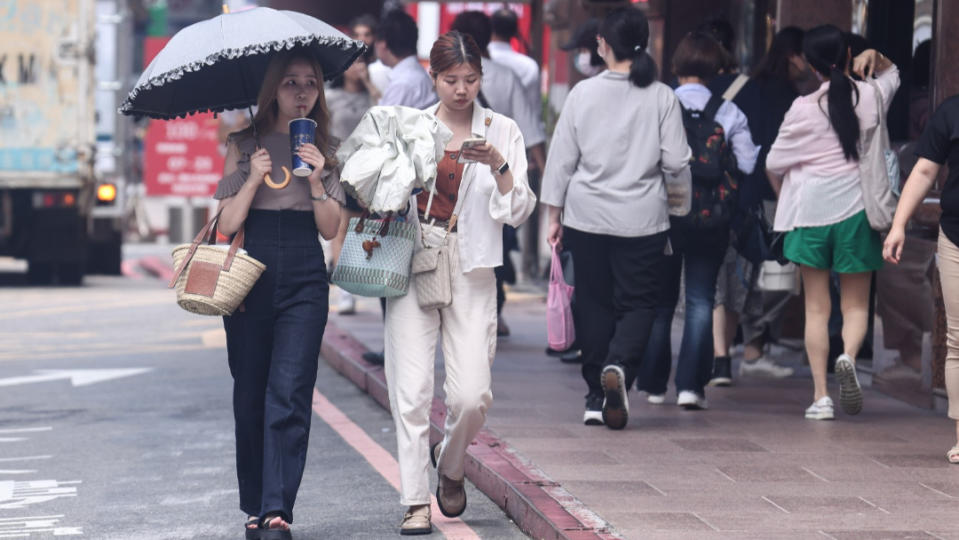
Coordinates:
(338, 13)
(806, 15)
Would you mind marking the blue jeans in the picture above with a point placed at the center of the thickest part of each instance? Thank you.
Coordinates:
(273, 343)
(700, 252)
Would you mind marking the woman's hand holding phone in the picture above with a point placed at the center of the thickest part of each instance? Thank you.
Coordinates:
(481, 151)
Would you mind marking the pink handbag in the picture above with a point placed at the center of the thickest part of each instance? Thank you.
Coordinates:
(560, 332)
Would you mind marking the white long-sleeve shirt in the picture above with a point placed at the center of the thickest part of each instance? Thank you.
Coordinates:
(504, 94)
(528, 72)
(485, 210)
(610, 149)
(735, 125)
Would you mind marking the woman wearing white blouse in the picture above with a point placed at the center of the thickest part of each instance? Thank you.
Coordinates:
(492, 190)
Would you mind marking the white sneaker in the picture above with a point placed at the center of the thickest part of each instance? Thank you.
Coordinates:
(593, 418)
(346, 304)
(764, 367)
(691, 401)
(850, 393)
(656, 399)
(822, 409)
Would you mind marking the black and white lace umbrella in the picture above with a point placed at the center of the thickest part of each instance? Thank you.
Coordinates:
(218, 64)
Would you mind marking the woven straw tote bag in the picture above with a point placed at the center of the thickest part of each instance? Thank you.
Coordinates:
(211, 279)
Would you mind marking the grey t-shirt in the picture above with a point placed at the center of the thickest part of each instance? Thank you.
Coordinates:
(346, 110)
(295, 196)
(611, 146)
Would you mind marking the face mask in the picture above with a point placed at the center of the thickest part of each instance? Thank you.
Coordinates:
(583, 65)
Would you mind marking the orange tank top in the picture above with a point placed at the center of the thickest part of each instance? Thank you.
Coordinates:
(449, 172)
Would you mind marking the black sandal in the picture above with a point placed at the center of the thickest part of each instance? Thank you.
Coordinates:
(266, 533)
(252, 533)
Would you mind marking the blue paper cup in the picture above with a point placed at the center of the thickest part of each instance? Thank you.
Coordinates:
(302, 131)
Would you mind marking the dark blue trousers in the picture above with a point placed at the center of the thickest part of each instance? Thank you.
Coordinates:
(273, 343)
(701, 253)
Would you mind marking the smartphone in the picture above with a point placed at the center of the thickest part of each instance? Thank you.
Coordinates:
(469, 143)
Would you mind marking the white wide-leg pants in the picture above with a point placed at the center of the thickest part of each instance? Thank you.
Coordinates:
(468, 331)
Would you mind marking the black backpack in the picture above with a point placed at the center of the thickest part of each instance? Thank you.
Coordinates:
(713, 167)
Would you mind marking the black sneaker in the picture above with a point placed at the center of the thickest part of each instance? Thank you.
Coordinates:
(375, 358)
(615, 403)
(722, 371)
(571, 355)
(594, 410)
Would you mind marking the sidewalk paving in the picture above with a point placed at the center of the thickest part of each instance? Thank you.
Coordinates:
(749, 467)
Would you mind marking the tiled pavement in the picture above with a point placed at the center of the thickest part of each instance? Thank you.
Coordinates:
(749, 467)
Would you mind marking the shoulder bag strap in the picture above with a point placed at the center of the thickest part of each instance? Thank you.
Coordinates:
(734, 88)
(712, 107)
(209, 232)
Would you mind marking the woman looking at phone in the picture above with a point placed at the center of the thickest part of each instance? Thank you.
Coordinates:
(490, 189)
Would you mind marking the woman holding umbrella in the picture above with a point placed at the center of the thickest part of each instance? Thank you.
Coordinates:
(277, 60)
(274, 340)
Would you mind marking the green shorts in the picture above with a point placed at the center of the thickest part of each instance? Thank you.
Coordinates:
(848, 247)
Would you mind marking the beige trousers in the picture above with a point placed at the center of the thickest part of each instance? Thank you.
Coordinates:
(468, 332)
(949, 277)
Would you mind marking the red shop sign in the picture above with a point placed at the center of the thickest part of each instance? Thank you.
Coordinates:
(182, 156)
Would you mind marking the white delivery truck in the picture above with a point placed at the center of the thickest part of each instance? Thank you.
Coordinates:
(50, 193)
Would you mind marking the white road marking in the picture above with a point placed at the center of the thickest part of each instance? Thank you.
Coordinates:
(17, 471)
(26, 458)
(24, 527)
(79, 377)
(25, 430)
(15, 495)
(12, 439)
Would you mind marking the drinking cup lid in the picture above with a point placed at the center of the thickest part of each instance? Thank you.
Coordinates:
(307, 119)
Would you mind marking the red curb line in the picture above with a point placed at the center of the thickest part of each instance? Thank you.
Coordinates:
(158, 267)
(521, 490)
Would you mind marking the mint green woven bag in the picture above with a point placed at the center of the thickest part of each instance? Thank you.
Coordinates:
(375, 259)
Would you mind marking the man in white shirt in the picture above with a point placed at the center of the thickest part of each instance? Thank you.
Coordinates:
(501, 89)
(395, 45)
(505, 26)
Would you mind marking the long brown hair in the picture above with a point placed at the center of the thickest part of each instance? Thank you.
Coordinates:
(268, 109)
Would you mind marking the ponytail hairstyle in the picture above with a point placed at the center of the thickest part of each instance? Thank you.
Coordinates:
(825, 50)
(626, 31)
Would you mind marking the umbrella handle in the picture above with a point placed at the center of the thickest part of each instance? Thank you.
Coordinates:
(269, 181)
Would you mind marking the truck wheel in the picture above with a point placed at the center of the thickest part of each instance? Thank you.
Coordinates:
(70, 274)
(39, 273)
(105, 257)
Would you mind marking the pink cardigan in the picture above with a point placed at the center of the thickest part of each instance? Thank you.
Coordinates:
(820, 186)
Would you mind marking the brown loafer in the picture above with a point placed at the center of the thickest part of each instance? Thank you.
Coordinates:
(450, 496)
(416, 521)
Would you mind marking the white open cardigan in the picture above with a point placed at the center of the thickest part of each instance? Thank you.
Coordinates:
(485, 210)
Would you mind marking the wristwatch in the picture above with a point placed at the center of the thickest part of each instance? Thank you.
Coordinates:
(321, 198)
(502, 168)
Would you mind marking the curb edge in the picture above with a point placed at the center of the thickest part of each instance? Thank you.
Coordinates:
(519, 489)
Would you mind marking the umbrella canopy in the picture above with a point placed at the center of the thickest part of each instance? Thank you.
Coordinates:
(218, 64)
